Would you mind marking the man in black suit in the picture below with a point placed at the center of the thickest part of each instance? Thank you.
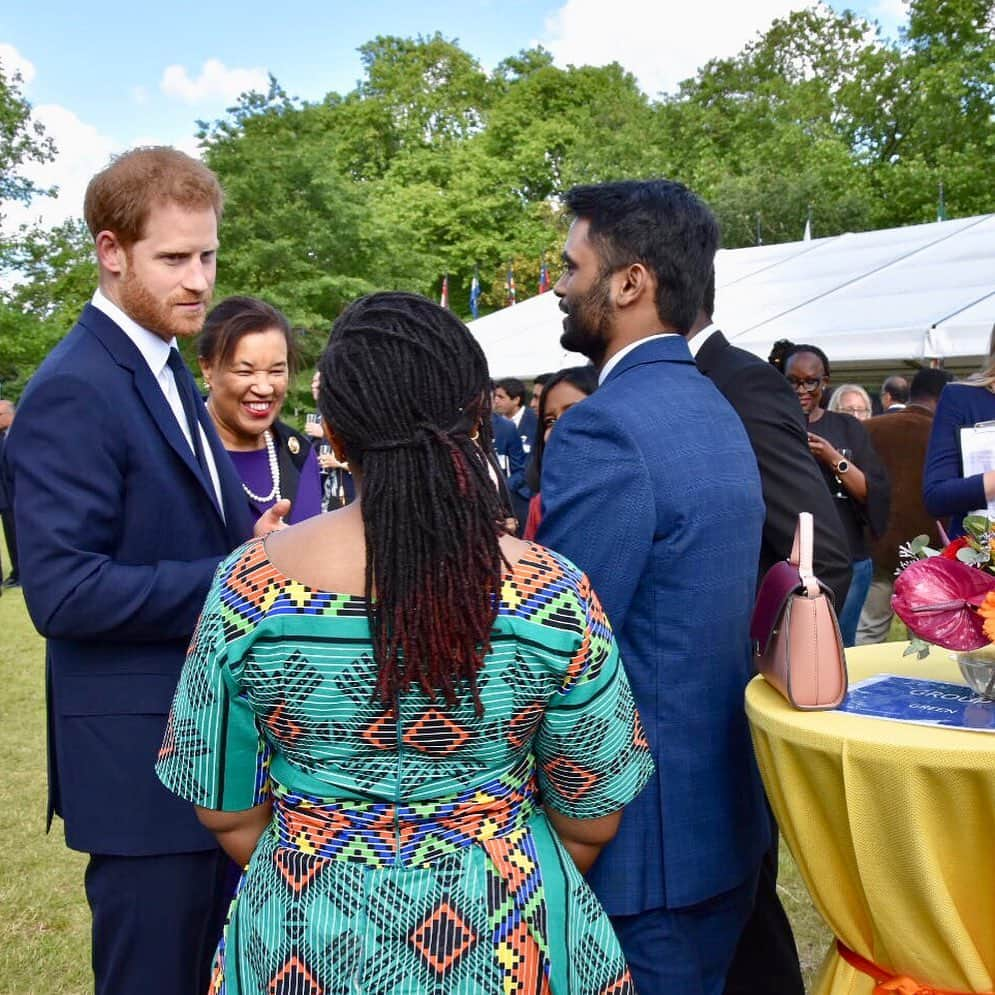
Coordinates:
(766, 959)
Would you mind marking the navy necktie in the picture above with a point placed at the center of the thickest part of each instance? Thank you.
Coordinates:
(186, 389)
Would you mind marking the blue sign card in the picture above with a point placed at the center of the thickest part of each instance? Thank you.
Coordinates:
(908, 699)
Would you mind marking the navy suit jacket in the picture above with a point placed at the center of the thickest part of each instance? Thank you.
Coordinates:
(527, 429)
(651, 487)
(120, 536)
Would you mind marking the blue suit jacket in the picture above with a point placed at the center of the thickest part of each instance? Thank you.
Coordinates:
(651, 487)
(120, 537)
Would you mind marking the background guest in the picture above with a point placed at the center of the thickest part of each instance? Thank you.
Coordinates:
(851, 399)
(511, 400)
(561, 392)
(894, 393)
(851, 469)
(537, 387)
(946, 491)
(901, 438)
(337, 486)
(247, 356)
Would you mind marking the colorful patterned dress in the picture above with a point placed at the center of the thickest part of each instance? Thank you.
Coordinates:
(409, 851)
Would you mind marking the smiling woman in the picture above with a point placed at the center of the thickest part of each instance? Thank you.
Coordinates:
(247, 355)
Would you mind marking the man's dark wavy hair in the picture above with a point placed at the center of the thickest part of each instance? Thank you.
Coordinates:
(661, 224)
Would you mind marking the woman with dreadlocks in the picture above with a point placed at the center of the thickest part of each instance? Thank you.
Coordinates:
(413, 728)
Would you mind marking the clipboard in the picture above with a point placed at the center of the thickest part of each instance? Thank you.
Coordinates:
(977, 453)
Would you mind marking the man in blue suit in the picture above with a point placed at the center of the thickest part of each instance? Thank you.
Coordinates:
(125, 502)
(651, 487)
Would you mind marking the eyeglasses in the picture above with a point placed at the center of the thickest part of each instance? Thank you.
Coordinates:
(856, 412)
(808, 386)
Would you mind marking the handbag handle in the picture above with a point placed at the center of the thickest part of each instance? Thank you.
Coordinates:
(801, 553)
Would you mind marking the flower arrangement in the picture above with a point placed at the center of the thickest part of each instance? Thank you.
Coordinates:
(946, 597)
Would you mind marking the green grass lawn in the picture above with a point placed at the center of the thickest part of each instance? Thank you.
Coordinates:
(44, 933)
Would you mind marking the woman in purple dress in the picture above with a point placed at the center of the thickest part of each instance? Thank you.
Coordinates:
(247, 356)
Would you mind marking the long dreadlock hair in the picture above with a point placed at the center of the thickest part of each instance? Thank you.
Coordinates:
(405, 387)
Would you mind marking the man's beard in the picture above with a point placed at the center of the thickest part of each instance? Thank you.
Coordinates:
(585, 326)
(158, 316)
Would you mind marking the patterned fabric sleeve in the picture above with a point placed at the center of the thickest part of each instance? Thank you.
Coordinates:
(213, 753)
(591, 751)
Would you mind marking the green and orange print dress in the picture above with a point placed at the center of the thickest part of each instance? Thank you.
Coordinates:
(409, 851)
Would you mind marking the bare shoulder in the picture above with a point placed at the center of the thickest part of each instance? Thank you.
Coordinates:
(513, 549)
(327, 552)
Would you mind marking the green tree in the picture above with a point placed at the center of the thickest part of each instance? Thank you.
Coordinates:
(55, 273)
(22, 141)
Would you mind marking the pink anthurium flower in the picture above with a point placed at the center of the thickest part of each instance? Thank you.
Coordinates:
(938, 600)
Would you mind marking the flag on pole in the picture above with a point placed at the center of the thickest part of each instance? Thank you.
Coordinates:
(807, 237)
(444, 299)
(543, 277)
(509, 285)
(475, 293)
(941, 210)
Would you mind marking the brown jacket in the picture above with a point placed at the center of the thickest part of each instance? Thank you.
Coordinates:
(901, 438)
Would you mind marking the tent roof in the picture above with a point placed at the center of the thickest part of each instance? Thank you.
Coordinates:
(895, 294)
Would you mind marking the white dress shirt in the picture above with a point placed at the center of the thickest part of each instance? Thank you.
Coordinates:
(155, 352)
(617, 358)
(700, 338)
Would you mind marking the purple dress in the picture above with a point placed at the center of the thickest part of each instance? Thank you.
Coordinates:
(253, 470)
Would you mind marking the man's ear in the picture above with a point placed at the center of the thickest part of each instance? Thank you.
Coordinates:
(111, 254)
(632, 284)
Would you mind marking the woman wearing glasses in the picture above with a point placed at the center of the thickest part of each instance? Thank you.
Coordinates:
(851, 399)
(852, 470)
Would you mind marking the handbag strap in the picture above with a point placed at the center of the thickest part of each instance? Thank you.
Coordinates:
(801, 553)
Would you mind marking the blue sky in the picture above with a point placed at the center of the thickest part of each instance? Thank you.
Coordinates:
(101, 81)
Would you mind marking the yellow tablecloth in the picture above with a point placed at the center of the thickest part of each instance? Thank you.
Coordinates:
(892, 826)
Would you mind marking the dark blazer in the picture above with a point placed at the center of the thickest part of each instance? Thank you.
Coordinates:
(120, 537)
(527, 429)
(511, 458)
(901, 437)
(789, 474)
(650, 486)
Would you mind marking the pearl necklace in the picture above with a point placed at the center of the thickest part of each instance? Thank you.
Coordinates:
(274, 472)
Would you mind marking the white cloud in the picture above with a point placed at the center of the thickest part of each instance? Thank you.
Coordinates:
(660, 43)
(215, 81)
(13, 62)
(82, 151)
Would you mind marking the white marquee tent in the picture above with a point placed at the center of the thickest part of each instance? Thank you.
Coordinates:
(900, 294)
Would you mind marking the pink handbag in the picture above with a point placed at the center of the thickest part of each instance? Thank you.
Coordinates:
(796, 638)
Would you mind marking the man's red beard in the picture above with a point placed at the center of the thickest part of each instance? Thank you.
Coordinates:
(161, 317)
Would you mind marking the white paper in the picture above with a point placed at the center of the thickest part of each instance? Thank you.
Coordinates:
(977, 452)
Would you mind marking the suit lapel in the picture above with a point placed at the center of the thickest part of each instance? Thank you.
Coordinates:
(237, 516)
(125, 353)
